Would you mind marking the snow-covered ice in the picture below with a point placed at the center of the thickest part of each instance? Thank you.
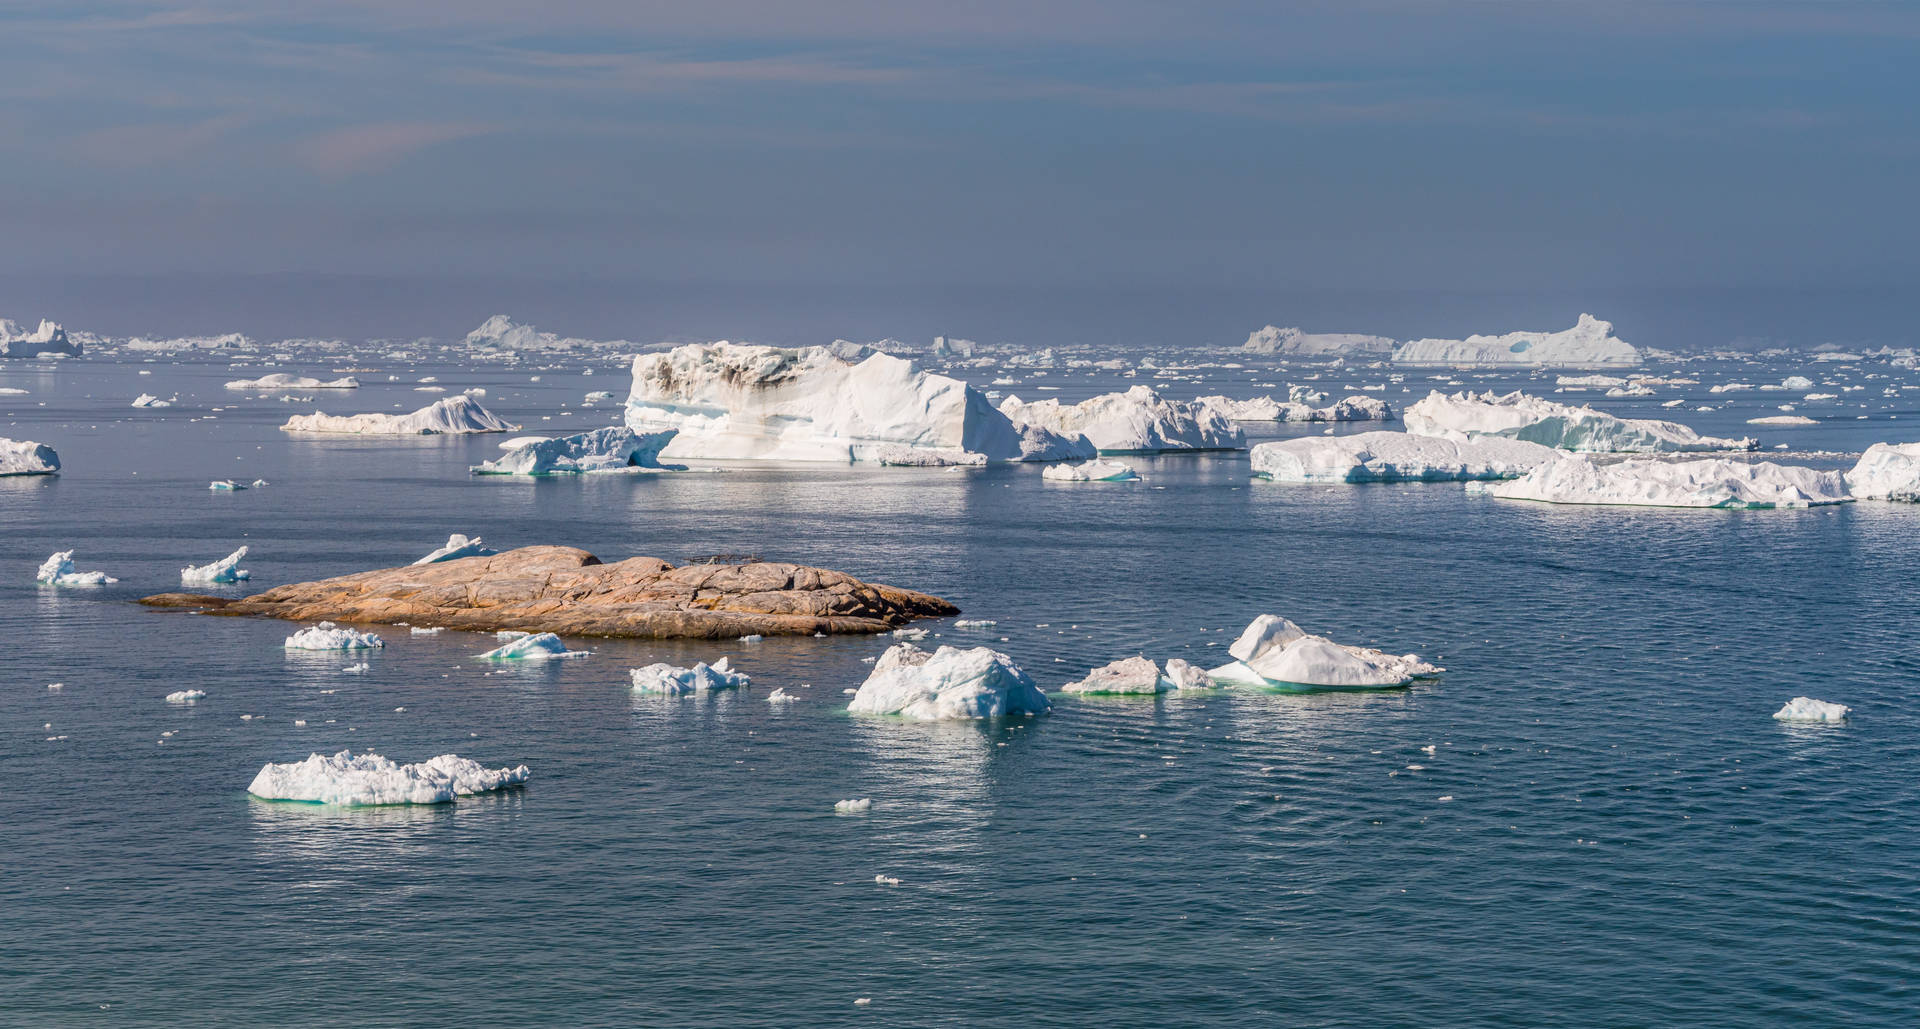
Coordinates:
(1273, 651)
(227, 569)
(541, 646)
(25, 457)
(457, 547)
(1589, 344)
(1709, 483)
(1887, 471)
(1519, 416)
(453, 416)
(603, 450)
(372, 779)
(949, 683)
(661, 677)
(1090, 471)
(1396, 457)
(1185, 676)
(1807, 709)
(1137, 421)
(282, 380)
(58, 570)
(328, 636)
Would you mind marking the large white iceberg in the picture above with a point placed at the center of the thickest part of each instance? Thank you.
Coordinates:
(453, 415)
(1807, 709)
(25, 457)
(1712, 482)
(1887, 471)
(733, 401)
(283, 380)
(1090, 471)
(1355, 408)
(58, 570)
(1273, 651)
(1396, 457)
(458, 546)
(328, 636)
(1589, 344)
(946, 684)
(1519, 416)
(674, 681)
(49, 338)
(1292, 341)
(1138, 421)
(227, 569)
(602, 450)
(372, 779)
(542, 646)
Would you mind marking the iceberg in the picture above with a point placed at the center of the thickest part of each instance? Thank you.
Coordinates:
(48, 339)
(501, 333)
(1589, 344)
(222, 571)
(1519, 416)
(1807, 709)
(602, 450)
(853, 806)
(663, 678)
(226, 485)
(25, 457)
(371, 779)
(540, 646)
(457, 547)
(1710, 483)
(1355, 408)
(949, 683)
(58, 570)
(1273, 651)
(186, 696)
(1141, 675)
(149, 400)
(453, 416)
(1138, 421)
(1887, 471)
(327, 636)
(1396, 457)
(283, 380)
(1293, 342)
(1091, 471)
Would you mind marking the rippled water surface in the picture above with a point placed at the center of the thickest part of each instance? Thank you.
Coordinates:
(1610, 829)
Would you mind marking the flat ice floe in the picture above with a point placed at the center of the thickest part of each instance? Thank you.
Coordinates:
(58, 570)
(949, 683)
(1138, 421)
(1887, 471)
(730, 401)
(1783, 419)
(1519, 416)
(1396, 457)
(227, 569)
(1589, 344)
(1709, 483)
(542, 646)
(283, 380)
(1355, 408)
(371, 779)
(1136, 675)
(47, 340)
(615, 449)
(25, 457)
(669, 680)
(1807, 709)
(1273, 651)
(327, 636)
(453, 416)
(458, 546)
(1090, 471)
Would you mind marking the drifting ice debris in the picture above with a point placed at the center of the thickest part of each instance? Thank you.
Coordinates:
(454, 416)
(149, 400)
(846, 807)
(780, 696)
(543, 646)
(58, 570)
(667, 679)
(1589, 344)
(1887, 471)
(1712, 483)
(458, 546)
(48, 339)
(1396, 457)
(1138, 421)
(1275, 652)
(1091, 471)
(226, 485)
(949, 683)
(327, 636)
(372, 779)
(25, 457)
(186, 696)
(224, 570)
(1519, 416)
(602, 450)
(282, 380)
(1187, 677)
(1807, 709)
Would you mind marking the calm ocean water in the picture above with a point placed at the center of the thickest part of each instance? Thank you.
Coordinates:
(1610, 829)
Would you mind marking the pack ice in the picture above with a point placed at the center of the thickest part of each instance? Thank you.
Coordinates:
(1519, 416)
(1589, 344)
(25, 457)
(1396, 457)
(1141, 675)
(283, 380)
(451, 416)
(1139, 421)
(49, 338)
(1887, 471)
(949, 683)
(458, 546)
(371, 779)
(227, 569)
(1710, 483)
(661, 677)
(602, 450)
(58, 570)
(328, 636)
(1273, 651)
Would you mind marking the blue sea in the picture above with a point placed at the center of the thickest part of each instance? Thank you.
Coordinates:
(1590, 819)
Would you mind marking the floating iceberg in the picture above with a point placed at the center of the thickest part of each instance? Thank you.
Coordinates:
(1355, 408)
(1141, 675)
(226, 485)
(1589, 344)
(1887, 471)
(1091, 471)
(672, 681)
(1783, 419)
(542, 646)
(1396, 457)
(1293, 342)
(1807, 709)
(58, 570)
(282, 380)
(25, 457)
(1138, 421)
(457, 547)
(453, 416)
(327, 636)
(1715, 483)
(602, 450)
(186, 696)
(947, 684)
(372, 779)
(503, 334)
(855, 806)
(48, 339)
(224, 570)
(149, 400)
(1519, 416)
(1275, 652)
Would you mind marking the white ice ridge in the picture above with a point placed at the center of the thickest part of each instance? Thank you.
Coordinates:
(1519, 416)
(1807, 709)
(1396, 457)
(602, 450)
(1091, 471)
(1589, 344)
(454, 415)
(662, 677)
(1711, 482)
(49, 338)
(283, 380)
(1292, 341)
(372, 779)
(949, 683)
(1138, 421)
(224, 570)
(1275, 652)
(186, 696)
(544, 646)
(1887, 471)
(1141, 675)
(25, 457)
(327, 636)
(731, 401)
(58, 570)
(1297, 408)
(458, 546)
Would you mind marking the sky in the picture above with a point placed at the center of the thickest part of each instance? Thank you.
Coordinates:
(1074, 171)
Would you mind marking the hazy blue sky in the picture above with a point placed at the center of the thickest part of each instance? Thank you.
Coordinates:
(1081, 168)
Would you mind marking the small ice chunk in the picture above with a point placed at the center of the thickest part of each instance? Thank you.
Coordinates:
(664, 678)
(185, 696)
(947, 684)
(327, 636)
(1131, 675)
(58, 570)
(1807, 709)
(1273, 651)
(1091, 471)
(543, 646)
(847, 807)
(780, 696)
(222, 571)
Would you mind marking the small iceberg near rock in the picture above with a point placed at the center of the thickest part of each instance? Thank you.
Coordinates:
(371, 779)
(615, 449)
(949, 683)
(1712, 483)
(225, 570)
(58, 570)
(327, 636)
(668, 680)
(459, 415)
(1091, 471)
(1396, 457)
(186, 696)
(458, 546)
(1887, 471)
(1807, 709)
(1273, 651)
(25, 457)
(541, 646)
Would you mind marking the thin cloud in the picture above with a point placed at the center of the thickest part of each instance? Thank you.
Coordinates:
(361, 148)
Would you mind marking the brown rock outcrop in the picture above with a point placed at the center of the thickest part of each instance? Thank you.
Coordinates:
(568, 591)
